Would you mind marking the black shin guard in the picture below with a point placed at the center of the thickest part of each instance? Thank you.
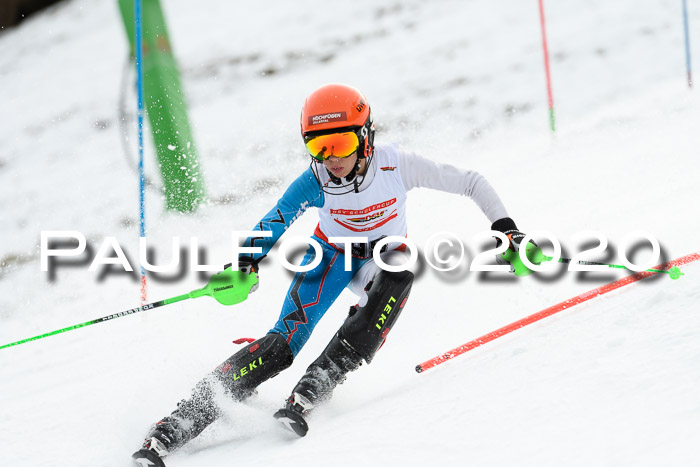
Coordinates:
(253, 365)
(239, 375)
(361, 335)
(366, 327)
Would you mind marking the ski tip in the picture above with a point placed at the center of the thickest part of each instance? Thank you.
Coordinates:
(147, 458)
(293, 421)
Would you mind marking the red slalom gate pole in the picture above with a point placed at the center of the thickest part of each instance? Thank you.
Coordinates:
(550, 311)
(550, 99)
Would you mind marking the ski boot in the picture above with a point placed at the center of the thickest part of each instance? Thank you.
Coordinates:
(316, 386)
(187, 421)
(165, 436)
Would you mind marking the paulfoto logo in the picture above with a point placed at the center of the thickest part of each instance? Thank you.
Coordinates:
(443, 252)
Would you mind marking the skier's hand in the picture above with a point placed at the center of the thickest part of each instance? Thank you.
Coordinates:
(248, 265)
(515, 238)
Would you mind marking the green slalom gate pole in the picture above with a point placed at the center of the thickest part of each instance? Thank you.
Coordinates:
(166, 109)
(228, 287)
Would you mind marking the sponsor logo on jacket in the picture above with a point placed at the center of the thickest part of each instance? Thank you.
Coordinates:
(371, 217)
(367, 210)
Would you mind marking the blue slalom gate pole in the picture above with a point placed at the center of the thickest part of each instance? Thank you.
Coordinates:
(687, 44)
(139, 92)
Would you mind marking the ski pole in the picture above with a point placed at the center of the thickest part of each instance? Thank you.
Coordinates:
(536, 256)
(674, 273)
(227, 287)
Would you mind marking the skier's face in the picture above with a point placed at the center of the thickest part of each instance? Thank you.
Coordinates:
(341, 166)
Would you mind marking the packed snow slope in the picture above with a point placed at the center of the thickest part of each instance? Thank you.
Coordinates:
(613, 381)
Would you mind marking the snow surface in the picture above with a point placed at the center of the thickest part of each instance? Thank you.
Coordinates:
(614, 381)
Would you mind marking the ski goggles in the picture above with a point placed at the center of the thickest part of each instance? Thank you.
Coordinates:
(334, 144)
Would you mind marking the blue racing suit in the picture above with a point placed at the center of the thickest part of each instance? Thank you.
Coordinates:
(313, 292)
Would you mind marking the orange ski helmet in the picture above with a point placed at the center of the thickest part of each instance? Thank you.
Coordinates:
(336, 108)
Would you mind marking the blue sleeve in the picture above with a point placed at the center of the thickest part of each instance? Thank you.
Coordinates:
(303, 193)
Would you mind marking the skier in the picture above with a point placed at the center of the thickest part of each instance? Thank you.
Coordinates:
(360, 191)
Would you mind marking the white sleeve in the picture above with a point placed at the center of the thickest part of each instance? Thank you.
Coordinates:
(417, 171)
